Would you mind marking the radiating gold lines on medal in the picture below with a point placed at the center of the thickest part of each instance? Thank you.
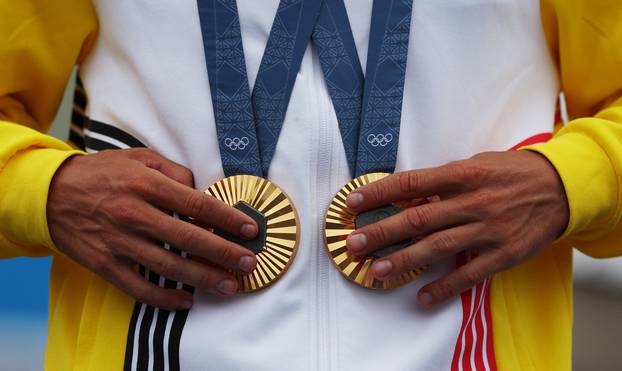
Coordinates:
(338, 224)
(282, 234)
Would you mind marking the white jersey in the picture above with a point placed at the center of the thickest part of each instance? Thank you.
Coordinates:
(479, 78)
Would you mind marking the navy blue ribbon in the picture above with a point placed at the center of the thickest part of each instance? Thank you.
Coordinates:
(342, 71)
(368, 109)
(231, 97)
(288, 40)
(384, 86)
(248, 126)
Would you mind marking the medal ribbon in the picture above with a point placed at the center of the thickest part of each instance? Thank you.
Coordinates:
(248, 126)
(368, 109)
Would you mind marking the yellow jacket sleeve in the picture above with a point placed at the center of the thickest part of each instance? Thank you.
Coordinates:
(585, 38)
(39, 45)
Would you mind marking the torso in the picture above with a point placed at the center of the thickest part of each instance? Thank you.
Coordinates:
(479, 78)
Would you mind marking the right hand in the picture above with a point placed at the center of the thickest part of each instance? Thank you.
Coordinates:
(107, 210)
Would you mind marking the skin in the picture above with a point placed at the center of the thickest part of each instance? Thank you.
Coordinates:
(106, 210)
(504, 206)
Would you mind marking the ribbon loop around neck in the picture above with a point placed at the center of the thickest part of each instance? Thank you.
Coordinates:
(368, 108)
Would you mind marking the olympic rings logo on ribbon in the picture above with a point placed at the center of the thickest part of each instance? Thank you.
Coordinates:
(236, 143)
(379, 139)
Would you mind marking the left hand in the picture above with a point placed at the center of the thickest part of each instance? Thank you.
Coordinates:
(504, 206)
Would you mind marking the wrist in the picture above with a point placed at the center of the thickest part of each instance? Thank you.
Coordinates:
(24, 185)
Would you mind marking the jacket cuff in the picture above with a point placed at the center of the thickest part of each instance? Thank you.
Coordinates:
(589, 180)
(24, 184)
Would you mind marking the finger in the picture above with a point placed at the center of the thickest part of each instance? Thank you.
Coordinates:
(165, 263)
(406, 186)
(136, 286)
(465, 277)
(412, 203)
(433, 248)
(412, 222)
(171, 169)
(197, 241)
(189, 202)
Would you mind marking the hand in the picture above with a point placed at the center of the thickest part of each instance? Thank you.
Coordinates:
(504, 206)
(106, 211)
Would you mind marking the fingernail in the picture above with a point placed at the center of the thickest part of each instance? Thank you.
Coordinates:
(425, 298)
(356, 242)
(187, 304)
(246, 264)
(354, 200)
(248, 230)
(382, 268)
(226, 287)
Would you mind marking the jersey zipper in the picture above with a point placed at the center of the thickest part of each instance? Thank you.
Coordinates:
(323, 174)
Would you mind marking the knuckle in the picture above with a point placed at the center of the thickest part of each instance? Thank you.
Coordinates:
(205, 280)
(446, 289)
(137, 184)
(482, 202)
(485, 197)
(406, 261)
(378, 192)
(417, 218)
(167, 267)
(474, 276)
(467, 172)
(187, 177)
(377, 233)
(225, 255)
(141, 294)
(137, 254)
(409, 181)
(102, 264)
(196, 204)
(511, 255)
(140, 153)
(125, 212)
(186, 237)
(443, 244)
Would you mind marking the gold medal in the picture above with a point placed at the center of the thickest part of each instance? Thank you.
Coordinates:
(279, 234)
(339, 222)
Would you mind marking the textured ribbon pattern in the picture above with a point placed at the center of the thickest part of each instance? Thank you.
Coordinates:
(288, 40)
(342, 70)
(368, 108)
(248, 126)
(231, 97)
(384, 86)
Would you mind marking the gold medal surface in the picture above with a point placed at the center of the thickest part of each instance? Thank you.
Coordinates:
(339, 222)
(282, 233)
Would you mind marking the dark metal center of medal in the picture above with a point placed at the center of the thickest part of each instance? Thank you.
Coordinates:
(374, 216)
(257, 244)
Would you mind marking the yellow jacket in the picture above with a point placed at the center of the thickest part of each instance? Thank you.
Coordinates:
(41, 41)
